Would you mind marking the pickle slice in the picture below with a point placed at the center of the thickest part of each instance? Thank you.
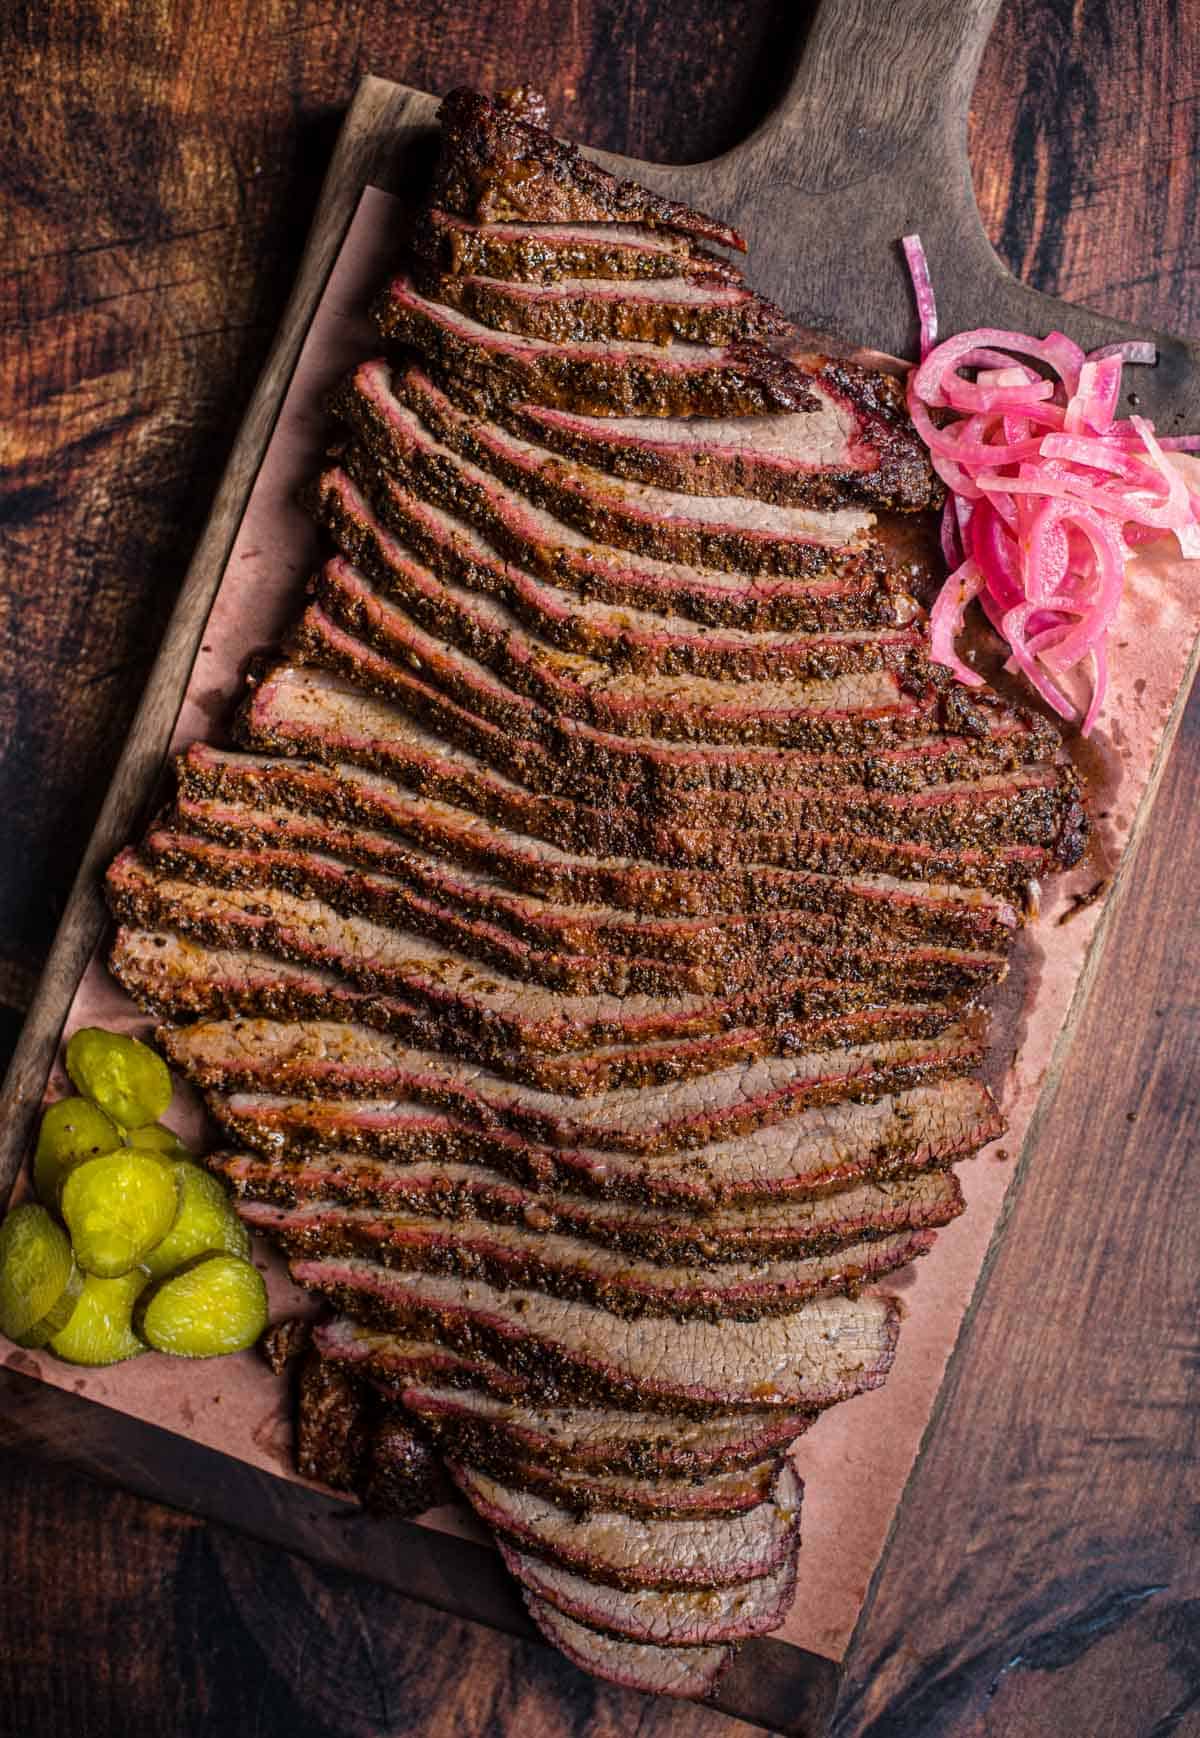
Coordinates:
(156, 1137)
(217, 1304)
(117, 1207)
(206, 1224)
(101, 1329)
(72, 1130)
(39, 1281)
(127, 1079)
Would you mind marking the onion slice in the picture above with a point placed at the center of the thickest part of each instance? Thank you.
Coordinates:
(1049, 491)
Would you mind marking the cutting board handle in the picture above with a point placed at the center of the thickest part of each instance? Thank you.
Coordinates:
(868, 144)
(880, 85)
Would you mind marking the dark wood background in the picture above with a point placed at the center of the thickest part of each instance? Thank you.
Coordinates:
(159, 166)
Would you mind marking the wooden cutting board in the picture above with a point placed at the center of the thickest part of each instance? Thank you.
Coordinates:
(869, 143)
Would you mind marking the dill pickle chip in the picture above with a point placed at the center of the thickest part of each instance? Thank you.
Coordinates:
(117, 1207)
(206, 1224)
(156, 1137)
(72, 1130)
(39, 1281)
(101, 1329)
(127, 1079)
(216, 1304)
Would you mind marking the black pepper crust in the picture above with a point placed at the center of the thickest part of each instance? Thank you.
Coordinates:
(445, 243)
(494, 165)
(317, 788)
(731, 314)
(899, 478)
(742, 379)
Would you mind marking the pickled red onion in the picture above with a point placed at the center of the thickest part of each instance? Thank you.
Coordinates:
(1048, 491)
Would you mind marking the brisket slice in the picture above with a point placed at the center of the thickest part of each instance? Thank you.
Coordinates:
(691, 1673)
(503, 677)
(462, 993)
(362, 814)
(870, 732)
(1035, 805)
(530, 939)
(732, 533)
(407, 422)
(858, 595)
(456, 1192)
(543, 253)
(733, 1492)
(493, 167)
(178, 979)
(681, 1619)
(857, 446)
(591, 311)
(324, 1060)
(618, 636)
(466, 1400)
(825, 1352)
(571, 1268)
(496, 1432)
(622, 1551)
(309, 856)
(489, 768)
(823, 1147)
(625, 379)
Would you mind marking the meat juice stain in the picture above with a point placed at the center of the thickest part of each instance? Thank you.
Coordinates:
(1009, 1004)
(1098, 761)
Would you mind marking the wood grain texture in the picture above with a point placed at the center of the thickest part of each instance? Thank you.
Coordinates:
(1060, 1618)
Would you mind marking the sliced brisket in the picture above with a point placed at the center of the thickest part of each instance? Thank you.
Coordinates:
(528, 938)
(520, 781)
(347, 800)
(691, 1673)
(571, 1268)
(826, 1146)
(543, 253)
(325, 1060)
(405, 450)
(358, 870)
(823, 1353)
(684, 1620)
(733, 1492)
(622, 1551)
(733, 533)
(583, 310)
(493, 1431)
(456, 1191)
(619, 636)
(619, 379)
(179, 978)
(858, 445)
(408, 424)
(493, 166)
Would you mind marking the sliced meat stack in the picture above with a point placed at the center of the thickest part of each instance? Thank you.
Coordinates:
(581, 948)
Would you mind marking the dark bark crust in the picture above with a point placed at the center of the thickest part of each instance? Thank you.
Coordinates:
(733, 315)
(445, 243)
(743, 379)
(494, 166)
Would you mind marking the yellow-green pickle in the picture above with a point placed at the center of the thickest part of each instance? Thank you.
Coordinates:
(39, 1281)
(130, 1082)
(156, 1137)
(214, 1305)
(72, 1130)
(117, 1208)
(206, 1222)
(101, 1331)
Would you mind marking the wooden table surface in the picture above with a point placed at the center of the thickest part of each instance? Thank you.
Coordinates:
(159, 168)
